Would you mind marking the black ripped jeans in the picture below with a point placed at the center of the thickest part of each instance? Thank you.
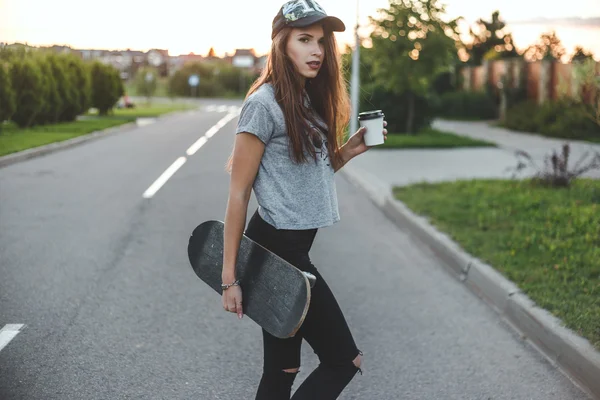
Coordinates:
(324, 328)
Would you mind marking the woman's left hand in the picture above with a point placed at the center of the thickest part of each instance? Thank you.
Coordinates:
(356, 144)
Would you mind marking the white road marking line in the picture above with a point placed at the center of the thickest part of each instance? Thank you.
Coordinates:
(8, 333)
(151, 191)
(222, 108)
(211, 108)
(233, 109)
(209, 133)
(196, 146)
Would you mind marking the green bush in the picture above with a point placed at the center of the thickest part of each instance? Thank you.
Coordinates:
(144, 86)
(78, 74)
(208, 86)
(396, 109)
(53, 103)
(216, 79)
(107, 87)
(521, 117)
(65, 86)
(26, 77)
(564, 118)
(443, 83)
(465, 105)
(7, 95)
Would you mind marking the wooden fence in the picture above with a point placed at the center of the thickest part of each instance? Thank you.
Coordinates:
(543, 80)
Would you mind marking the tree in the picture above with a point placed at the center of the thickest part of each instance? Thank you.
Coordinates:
(79, 75)
(588, 77)
(548, 47)
(107, 87)
(26, 78)
(7, 95)
(52, 100)
(490, 41)
(411, 45)
(581, 54)
(146, 82)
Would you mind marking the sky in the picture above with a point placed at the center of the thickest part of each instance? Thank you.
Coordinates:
(183, 27)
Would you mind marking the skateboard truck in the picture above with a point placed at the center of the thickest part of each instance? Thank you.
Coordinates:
(311, 278)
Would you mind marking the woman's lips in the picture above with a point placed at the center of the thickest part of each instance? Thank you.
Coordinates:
(314, 64)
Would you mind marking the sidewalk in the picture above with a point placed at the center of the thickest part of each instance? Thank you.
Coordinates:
(402, 167)
(377, 171)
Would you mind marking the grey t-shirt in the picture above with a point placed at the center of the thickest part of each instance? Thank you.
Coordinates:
(290, 195)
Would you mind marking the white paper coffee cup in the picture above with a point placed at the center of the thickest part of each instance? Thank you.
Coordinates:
(373, 121)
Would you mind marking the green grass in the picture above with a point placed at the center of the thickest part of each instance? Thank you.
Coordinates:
(432, 139)
(14, 139)
(545, 240)
(143, 110)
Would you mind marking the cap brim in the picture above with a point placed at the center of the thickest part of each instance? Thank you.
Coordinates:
(335, 24)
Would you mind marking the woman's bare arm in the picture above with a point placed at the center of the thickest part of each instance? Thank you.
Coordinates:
(247, 153)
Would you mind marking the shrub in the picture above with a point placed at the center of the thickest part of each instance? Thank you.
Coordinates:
(208, 86)
(65, 85)
(78, 74)
(107, 87)
(443, 83)
(521, 117)
(50, 92)
(26, 78)
(468, 105)
(146, 81)
(565, 118)
(7, 94)
(396, 109)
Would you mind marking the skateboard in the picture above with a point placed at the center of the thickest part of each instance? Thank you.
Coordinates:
(275, 294)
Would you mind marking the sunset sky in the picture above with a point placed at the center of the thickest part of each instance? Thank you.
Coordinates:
(183, 27)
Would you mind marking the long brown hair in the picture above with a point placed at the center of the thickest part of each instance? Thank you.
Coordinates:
(327, 92)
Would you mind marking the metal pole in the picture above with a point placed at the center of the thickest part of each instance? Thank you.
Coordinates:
(355, 82)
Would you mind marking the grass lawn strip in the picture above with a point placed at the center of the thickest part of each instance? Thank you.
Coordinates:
(14, 139)
(430, 138)
(147, 111)
(545, 240)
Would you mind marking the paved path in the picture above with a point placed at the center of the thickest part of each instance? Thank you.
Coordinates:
(402, 167)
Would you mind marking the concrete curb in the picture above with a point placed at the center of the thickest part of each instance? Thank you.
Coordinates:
(65, 144)
(572, 354)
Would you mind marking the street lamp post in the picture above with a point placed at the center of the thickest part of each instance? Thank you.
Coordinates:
(355, 80)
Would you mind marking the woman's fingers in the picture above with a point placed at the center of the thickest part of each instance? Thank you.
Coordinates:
(240, 310)
(232, 301)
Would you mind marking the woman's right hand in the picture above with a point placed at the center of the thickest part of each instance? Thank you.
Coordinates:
(232, 300)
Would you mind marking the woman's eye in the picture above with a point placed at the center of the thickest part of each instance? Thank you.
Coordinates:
(304, 40)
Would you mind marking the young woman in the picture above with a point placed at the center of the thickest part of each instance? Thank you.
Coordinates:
(287, 148)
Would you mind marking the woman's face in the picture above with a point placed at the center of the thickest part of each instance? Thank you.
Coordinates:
(305, 47)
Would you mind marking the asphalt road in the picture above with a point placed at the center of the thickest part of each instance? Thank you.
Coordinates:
(99, 277)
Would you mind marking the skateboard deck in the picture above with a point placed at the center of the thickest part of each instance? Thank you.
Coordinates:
(275, 294)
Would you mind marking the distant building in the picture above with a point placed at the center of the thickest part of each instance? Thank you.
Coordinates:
(128, 61)
(244, 58)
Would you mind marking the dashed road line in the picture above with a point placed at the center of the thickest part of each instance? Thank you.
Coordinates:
(165, 176)
(8, 333)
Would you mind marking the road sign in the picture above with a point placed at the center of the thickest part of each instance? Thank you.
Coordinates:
(193, 80)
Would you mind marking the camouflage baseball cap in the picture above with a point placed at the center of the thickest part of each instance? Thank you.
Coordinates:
(301, 13)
